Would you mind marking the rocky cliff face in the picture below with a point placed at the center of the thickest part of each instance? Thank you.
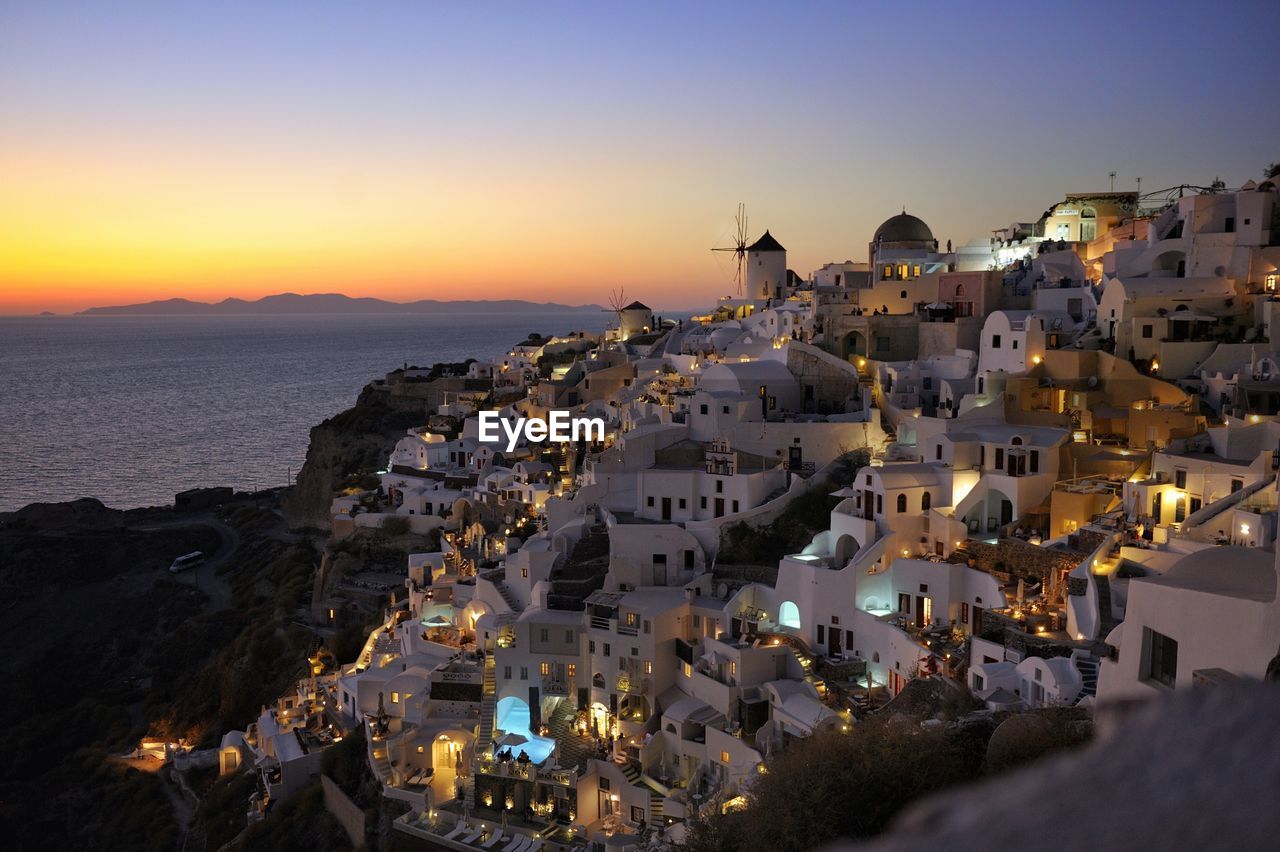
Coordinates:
(355, 442)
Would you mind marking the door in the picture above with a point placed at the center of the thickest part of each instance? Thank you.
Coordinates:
(868, 505)
(1006, 512)
(719, 507)
(833, 646)
(977, 620)
(1157, 504)
(666, 508)
(920, 622)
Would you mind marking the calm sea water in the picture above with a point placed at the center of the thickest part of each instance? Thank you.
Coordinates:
(131, 410)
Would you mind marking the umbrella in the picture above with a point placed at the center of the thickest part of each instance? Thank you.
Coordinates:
(847, 491)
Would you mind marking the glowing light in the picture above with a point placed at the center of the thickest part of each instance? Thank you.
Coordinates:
(1244, 529)
(1036, 359)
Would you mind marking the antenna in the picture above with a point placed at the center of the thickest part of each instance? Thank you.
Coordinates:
(1112, 175)
(739, 247)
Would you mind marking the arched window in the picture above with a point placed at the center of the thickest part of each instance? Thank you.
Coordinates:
(597, 680)
(1017, 441)
(959, 290)
(925, 501)
(902, 502)
(789, 615)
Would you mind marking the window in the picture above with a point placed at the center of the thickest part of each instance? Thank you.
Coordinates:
(573, 670)
(683, 503)
(733, 667)
(506, 672)
(937, 452)
(1035, 461)
(568, 636)
(977, 683)
(606, 649)
(524, 672)
(882, 344)
(926, 500)
(703, 502)
(544, 635)
(835, 619)
(902, 502)
(1180, 478)
(697, 622)
(964, 613)
(545, 669)
(648, 666)
(915, 271)
(879, 504)
(995, 341)
(902, 294)
(524, 573)
(395, 698)
(631, 617)
(591, 648)
(735, 507)
(1236, 485)
(724, 757)
(888, 272)
(1147, 331)
(1014, 345)
(649, 501)
(1162, 657)
(648, 626)
(686, 669)
(999, 457)
(702, 409)
(604, 783)
(719, 486)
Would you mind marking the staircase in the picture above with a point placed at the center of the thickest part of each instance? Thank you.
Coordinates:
(1106, 617)
(573, 748)
(1088, 668)
(484, 739)
(630, 772)
(655, 808)
(507, 595)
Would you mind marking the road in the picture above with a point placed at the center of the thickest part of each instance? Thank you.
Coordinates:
(205, 577)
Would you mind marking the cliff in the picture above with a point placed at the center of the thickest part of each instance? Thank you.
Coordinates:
(355, 442)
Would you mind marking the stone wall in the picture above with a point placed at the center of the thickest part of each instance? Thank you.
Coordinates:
(345, 811)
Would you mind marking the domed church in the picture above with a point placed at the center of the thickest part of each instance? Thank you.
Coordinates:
(904, 248)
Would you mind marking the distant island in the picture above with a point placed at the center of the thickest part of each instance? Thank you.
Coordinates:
(323, 303)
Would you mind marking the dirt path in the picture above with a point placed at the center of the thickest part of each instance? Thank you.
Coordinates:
(205, 577)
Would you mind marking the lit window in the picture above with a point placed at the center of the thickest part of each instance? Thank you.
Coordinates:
(421, 749)
(724, 757)
(395, 698)
(573, 670)
(733, 667)
(648, 666)
(687, 669)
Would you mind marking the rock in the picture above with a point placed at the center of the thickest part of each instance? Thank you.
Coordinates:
(1196, 770)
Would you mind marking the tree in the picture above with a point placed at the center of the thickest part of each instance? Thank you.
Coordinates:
(835, 785)
(1273, 169)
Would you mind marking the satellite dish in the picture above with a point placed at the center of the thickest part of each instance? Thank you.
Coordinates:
(722, 592)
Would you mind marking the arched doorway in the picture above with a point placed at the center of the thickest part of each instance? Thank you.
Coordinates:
(789, 615)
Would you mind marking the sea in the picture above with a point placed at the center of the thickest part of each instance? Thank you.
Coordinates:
(132, 410)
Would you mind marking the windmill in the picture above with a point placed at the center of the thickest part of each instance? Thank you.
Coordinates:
(618, 301)
(739, 248)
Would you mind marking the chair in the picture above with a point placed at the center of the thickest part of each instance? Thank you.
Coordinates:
(534, 846)
(493, 840)
(457, 829)
(517, 842)
(471, 838)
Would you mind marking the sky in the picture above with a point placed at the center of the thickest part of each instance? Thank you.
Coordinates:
(561, 152)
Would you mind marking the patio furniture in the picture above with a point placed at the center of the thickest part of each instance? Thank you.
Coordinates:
(493, 840)
(457, 829)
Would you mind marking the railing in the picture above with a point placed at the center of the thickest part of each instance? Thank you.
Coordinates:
(601, 623)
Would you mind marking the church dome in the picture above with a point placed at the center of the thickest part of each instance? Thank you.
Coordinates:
(903, 228)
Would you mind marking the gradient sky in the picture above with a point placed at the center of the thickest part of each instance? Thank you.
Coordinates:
(547, 151)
